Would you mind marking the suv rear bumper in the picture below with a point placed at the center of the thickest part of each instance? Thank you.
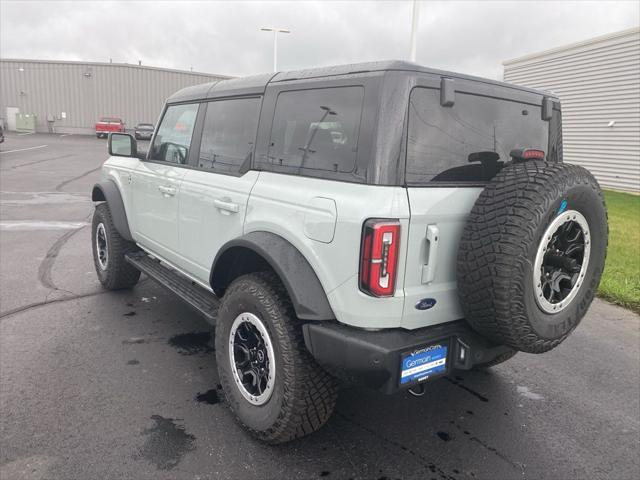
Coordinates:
(373, 358)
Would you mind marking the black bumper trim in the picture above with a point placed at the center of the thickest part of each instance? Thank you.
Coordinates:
(372, 358)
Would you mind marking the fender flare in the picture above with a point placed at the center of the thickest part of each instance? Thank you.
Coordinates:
(107, 191)
(300, 280)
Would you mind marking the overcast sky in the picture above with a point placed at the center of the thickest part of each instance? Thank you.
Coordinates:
(223, 37)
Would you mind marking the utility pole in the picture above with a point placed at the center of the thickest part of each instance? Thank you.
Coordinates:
(414, 29)
(275, 43)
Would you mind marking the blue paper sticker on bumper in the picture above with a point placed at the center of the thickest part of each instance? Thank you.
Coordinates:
(423, 363)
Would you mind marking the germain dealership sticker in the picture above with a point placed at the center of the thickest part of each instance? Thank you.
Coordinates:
(425, 304)
(421, 364)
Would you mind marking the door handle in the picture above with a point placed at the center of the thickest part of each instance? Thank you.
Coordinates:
(226, 205)
(167, 191)
(429, 270)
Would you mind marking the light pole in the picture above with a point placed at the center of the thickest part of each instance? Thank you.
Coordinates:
(414, 28)
(275, 43)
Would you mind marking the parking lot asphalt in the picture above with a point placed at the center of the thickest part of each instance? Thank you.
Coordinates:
(97, 384)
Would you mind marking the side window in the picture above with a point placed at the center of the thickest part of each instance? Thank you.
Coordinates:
(174, 134)
(229, 134)
(316, 130)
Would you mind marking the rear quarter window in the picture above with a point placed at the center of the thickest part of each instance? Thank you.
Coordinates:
(315, 132)
(469, 142)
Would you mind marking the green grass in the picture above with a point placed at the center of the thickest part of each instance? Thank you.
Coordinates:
(621, 279)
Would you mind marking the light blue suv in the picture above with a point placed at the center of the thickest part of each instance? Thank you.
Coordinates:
(383, 223)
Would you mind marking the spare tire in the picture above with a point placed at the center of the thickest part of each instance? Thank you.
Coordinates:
(532, 254)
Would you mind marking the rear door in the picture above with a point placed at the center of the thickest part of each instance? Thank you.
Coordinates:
(452, 152)
(214, 193)
(157, 181)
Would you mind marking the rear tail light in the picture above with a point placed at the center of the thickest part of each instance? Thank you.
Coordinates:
(379, 257)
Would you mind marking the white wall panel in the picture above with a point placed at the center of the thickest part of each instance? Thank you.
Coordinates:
(88, 90)
(598, 81)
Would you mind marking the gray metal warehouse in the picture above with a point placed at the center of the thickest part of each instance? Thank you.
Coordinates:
(71, 96)
(598, 82)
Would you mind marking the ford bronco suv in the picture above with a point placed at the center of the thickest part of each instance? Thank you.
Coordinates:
(382, 223)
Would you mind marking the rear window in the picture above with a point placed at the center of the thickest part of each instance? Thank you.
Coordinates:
(471, 141)
(316, 130)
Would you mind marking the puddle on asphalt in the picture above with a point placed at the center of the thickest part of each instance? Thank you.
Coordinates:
(133, 362)
(192, 343)
(444, 436)
(166, 443)
(209, 397)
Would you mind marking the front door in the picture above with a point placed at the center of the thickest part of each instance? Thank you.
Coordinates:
(157, 182)
(214, 194)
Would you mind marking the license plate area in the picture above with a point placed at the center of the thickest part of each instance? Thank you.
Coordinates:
(424, 363)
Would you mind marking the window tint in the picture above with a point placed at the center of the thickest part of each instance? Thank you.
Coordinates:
(174, 134)
(470, 141)
(229, 134)
(316, 130)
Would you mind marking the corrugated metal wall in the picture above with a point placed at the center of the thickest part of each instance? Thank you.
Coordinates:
(598, 82)
(86, 91)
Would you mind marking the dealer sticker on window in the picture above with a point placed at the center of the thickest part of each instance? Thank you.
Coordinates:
(422, 363)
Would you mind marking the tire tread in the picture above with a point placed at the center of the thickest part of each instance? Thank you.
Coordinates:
(120, 274)
(310, 392)
(493, 253)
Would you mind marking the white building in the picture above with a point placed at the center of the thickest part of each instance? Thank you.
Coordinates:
(75, 94)
(598, 82)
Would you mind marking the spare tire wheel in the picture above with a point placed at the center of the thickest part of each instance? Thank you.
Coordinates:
(532, 254)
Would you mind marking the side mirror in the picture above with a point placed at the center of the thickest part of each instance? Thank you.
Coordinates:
(122, 145)
(173, 153)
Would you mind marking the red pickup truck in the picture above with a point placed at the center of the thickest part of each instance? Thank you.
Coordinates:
(106, 125)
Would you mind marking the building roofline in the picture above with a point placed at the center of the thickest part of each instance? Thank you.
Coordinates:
(569, 46)
(112, 64)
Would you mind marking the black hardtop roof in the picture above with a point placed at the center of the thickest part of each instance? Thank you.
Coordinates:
(256, 84)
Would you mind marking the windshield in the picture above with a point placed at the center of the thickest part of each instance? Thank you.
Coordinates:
(470, 141)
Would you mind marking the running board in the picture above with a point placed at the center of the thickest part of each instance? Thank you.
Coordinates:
(199, 298)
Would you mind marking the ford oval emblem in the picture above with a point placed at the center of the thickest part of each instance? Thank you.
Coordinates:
(425, 304)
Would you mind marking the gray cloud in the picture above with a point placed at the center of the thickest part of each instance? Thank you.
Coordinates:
(223, 37)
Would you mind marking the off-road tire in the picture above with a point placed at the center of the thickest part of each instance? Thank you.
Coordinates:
(496, 361)
(499, 245)
(118, 274)
(304, 394)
